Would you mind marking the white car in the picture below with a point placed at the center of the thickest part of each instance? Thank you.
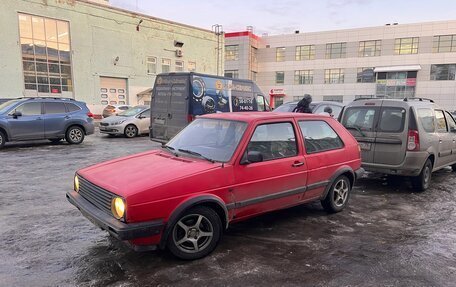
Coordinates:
(130, 123)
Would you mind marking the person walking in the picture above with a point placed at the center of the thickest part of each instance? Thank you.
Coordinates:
(303, 105)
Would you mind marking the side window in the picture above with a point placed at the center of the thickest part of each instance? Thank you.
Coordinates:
(362, 118)
(451, 122)
(427, 120)
(72, 107)
(392, 120)
(336, 111)
(319, 136)
(440, 121)
(30, 109)
(124, 108)
(260, 101)
(54, 108)
(146, 114)
(274, 141)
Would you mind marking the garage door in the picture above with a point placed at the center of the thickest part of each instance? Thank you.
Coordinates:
(113, 91)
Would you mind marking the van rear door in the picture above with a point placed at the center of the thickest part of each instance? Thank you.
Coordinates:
(169, 106)
(359, 119)
(392, 130)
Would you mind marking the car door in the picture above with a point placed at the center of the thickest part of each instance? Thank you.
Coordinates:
(325, 154)
(55, 119)
(29, 125)
(445, 139)
(144, 121)
(277, 181)
(452, 134)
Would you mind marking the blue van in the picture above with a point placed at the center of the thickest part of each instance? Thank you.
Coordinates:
(177, 98)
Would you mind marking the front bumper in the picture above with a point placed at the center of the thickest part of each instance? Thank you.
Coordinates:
(112, 130)
(118, 229)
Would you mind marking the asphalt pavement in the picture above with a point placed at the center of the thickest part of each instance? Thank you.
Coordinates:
(388, 235)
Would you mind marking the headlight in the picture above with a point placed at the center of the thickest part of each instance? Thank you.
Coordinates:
(76, 183)
(118, 207)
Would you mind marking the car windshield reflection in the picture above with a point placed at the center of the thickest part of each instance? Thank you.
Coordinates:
(211, 139)
(131, 112)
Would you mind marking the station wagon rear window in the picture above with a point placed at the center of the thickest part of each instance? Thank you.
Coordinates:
(360, 118)
(392, 120)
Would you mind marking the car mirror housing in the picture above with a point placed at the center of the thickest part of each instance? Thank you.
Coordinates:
(17, 114)
(253, 157)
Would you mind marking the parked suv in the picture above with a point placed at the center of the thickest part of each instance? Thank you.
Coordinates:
(409, 137)
(45, 118)
(220, 169)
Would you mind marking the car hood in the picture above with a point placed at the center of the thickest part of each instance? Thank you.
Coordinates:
(132, 174)
(114, 119)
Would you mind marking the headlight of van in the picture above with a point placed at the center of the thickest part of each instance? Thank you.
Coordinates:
(118, 207)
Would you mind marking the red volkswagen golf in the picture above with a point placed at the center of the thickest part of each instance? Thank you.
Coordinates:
(220, 169)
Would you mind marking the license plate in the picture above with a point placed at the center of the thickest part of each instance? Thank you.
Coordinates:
(365, 146)
(159, 121)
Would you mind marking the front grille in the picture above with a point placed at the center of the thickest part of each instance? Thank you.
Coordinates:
(104, 124)
(96, 195)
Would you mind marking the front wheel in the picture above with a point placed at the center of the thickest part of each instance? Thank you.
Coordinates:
(422, 181)
(74, 135)
(338, 195)
(131, 131)
(195, 234)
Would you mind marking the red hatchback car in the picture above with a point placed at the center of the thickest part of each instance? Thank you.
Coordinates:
(222, 168)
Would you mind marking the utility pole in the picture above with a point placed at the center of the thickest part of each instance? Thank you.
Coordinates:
(218, 30)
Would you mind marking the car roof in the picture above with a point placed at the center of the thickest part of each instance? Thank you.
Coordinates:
(314, 102)
(258, 116)
(400, 102)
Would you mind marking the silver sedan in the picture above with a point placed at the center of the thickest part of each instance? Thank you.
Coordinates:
(131, 123)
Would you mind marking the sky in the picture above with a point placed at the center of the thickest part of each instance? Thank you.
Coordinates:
(286, 16)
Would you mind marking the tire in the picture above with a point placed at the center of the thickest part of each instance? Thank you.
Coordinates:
(74, 135)
(421, 182)
(339, 193)
(54, 141)
(453, 167)
(188, 241)
(2, 139)
(131, 131)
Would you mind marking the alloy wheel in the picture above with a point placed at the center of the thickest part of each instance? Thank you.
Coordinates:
(193, 233)
(76, 135)
(130, 131)
(341, 190)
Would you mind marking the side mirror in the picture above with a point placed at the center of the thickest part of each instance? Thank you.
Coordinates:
(252, 157)
(17, 114)
(141, 117)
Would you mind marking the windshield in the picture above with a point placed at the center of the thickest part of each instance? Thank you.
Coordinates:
(211, 138)
(131, 112)
(5, 105)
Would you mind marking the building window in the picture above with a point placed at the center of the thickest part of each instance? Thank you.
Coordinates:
(166, 65)
(365, 75)
(396, 84)
(254, 76)
(232, 74)
(280, 78)
(179, 66)
(306, 52)
(254, 53)
(334, 76)
(151, 65)
(191, 66)
(336, 50)
(403, 46)
(339, 99)
(280, 54)
(442, 44)
(370, 48)
(46, 57)
(303, 77)
(231, 52)
(443, 72)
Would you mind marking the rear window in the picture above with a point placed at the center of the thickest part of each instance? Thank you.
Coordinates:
(360, 118)
(319, 136)
(426, 118)
(392, 120)
(72, 107)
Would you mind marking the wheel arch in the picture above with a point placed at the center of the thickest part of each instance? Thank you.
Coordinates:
(345, 170)
(210, 201)
(77, 125)
(5, 132)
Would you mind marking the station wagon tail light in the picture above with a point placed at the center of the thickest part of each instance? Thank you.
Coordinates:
(118, 207)
(76, 183)
(90, 115)
(413, 142)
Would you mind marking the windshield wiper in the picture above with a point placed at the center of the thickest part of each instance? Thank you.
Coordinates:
(357, 128)
(171, 149)
(196, 154)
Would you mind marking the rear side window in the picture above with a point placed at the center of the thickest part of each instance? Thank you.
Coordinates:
(392, 120)
(72, 107)
(360, 117)
(319, 136)
(451, 122)
(440, 121)
(274, 141)
(54, 108)
(427, 119)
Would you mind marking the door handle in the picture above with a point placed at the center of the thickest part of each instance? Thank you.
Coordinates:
(297, 164)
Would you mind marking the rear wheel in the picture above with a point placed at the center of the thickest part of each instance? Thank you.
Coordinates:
(131, 131)
(422, 181)
(338, 195)
(195, 234)
(74, 135)
(2, 139)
